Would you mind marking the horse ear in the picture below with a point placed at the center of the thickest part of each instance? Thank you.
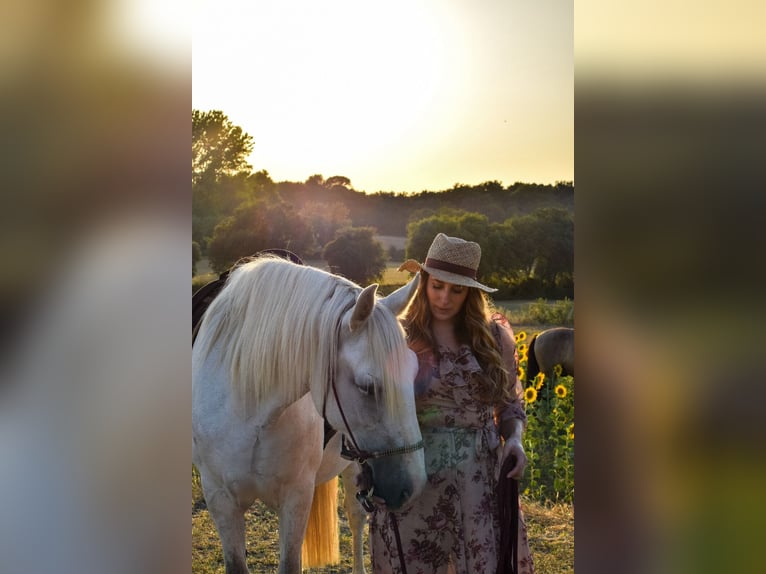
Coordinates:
(364, 305)
(399, 299)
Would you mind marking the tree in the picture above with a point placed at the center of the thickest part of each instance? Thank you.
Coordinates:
(218, 146)
(256, 226)
(355, 254)
(219, 170)
(452, 222)
(338, 180)
(325, 219)
(543, 243)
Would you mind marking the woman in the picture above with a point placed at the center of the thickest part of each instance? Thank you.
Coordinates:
(471, 417)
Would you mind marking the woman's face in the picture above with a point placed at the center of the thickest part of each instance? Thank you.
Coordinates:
(445, 300)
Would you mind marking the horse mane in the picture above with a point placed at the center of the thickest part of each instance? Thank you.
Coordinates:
(276, 325)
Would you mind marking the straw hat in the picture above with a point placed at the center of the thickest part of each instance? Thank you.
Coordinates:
(452, 260)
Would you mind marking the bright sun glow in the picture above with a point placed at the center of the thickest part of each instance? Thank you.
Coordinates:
(399, 96)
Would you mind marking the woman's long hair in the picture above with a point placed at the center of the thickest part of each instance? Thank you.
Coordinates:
(472, 327)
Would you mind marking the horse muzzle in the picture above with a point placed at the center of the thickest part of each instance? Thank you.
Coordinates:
(396, 483)
(396, 475)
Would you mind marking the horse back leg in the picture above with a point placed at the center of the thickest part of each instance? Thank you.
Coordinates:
(357, 517)
(229, 520)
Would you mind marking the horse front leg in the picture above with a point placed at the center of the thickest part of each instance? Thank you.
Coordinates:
(229, 520)
(293, 518)
(357, 517)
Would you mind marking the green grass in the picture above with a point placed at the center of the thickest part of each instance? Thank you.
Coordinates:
(393, 277)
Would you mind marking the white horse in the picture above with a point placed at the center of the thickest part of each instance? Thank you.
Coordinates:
(282, 349)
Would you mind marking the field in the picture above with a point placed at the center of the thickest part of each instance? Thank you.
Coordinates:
(551, 537)
(550, 526)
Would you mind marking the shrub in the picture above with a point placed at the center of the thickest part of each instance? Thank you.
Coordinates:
(556, 313)
(356, 254)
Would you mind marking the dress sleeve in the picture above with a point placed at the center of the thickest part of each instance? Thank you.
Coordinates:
(513, 408)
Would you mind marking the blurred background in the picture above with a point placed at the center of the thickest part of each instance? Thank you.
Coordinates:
(94, 401)
(669, 130)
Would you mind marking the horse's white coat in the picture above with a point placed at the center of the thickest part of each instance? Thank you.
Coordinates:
(274, 452)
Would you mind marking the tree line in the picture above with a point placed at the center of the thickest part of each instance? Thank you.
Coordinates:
(526, 230)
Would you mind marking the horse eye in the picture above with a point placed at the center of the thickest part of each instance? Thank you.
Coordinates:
(366, 385)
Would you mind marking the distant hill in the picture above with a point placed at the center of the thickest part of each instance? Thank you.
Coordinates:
(395, 241)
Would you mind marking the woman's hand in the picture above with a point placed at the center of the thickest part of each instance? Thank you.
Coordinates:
(512, 447)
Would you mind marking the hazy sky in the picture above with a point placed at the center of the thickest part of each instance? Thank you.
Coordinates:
(402, 95)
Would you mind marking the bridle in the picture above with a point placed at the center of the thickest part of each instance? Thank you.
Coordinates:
(351, 450)
(354, 453)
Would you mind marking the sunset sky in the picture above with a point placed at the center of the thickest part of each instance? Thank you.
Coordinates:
(397, 96)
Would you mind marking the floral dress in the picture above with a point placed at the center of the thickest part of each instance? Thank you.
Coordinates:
(453, 526)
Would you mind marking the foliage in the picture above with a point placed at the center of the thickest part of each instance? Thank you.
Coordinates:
(256, 226)
(539, 312)
(395, 254)
(468, 226)
(523, 257)
(542, 243)
(556, 313)
(324, 220)
(221, 178)
(549, 436)
(526, 230)
(355, 254)
(390, 212)
(218, 146)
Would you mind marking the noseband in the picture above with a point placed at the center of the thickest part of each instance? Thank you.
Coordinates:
(353, 452)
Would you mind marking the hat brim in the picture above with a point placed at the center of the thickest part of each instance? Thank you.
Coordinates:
(413, 266)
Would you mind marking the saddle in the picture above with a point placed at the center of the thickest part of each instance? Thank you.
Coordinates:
(204, 296)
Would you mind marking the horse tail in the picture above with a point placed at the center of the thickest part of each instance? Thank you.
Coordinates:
(321, 544)
(532, 367)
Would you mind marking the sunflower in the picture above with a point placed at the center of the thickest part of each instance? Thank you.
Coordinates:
(530, 395)
(539, 380)
(521, 373)
(570, 431)
(522, 348)
(521, 336)
(561, 391)
(557, 370)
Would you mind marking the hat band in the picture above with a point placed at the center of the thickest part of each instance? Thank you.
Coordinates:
(451, 268)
